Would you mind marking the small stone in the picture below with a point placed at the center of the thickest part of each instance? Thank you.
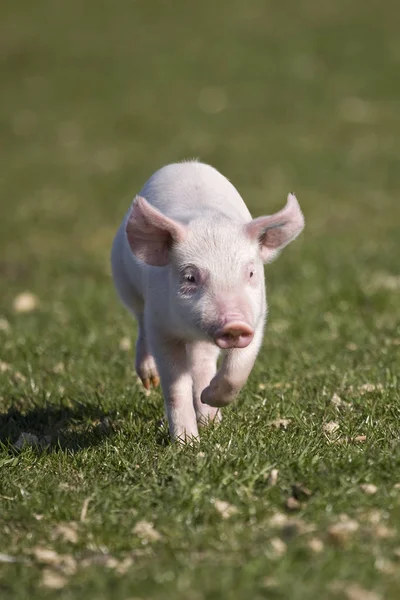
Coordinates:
(374, 517)
(278, 547)
(383, 532)
(340, 533)
(281, 423)
(67, 531)
(25, 302)
(292, 504)
(124, 565)
(330, 427)
(269, 582)
(387, 567)
(19, 377)
(46, 555)
(59, 368)
(370, 387)
(53, 580)
(355, 592)
(368, 488)
(225, 509)
(360, 438)
(146, 532)
(278, 520)
(273, 477)
(4, 366)
(351, 346)
(336, 400)
(316, 545)
(63, 562)
(338, 403)
(111, 562)
(383, 280)
(261, 386)
(125, 344)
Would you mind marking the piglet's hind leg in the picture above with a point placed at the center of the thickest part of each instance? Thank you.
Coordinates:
(145, 364)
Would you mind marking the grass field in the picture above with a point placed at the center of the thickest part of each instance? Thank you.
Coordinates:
(284, 96)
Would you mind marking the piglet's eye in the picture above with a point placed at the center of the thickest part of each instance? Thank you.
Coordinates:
(251, 274)
(190, 279)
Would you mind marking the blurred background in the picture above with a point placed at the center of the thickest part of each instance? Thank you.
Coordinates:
(279, 96)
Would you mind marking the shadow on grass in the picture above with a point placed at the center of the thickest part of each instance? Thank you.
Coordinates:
(56, 427)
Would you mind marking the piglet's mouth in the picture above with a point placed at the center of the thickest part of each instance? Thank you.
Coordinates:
(234, 335)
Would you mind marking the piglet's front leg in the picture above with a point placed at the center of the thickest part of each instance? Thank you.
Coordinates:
(233, 373)
(202, 358)
(176, 382)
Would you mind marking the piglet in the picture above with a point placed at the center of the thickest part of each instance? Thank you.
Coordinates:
(187, 261)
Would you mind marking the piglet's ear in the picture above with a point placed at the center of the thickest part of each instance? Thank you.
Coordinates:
(274, 232)
(151, 234)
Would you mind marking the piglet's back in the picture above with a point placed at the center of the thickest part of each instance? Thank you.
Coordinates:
(191, 190)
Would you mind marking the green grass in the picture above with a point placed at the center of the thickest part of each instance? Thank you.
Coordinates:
(278, 96)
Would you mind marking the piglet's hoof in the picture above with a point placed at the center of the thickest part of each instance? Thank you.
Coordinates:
(213, 395)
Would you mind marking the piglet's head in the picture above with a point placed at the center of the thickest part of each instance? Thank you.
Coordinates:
(215, 267)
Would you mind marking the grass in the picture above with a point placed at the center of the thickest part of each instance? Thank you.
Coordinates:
(278, 96)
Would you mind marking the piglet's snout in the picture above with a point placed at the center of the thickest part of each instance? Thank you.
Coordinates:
(234, 334)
